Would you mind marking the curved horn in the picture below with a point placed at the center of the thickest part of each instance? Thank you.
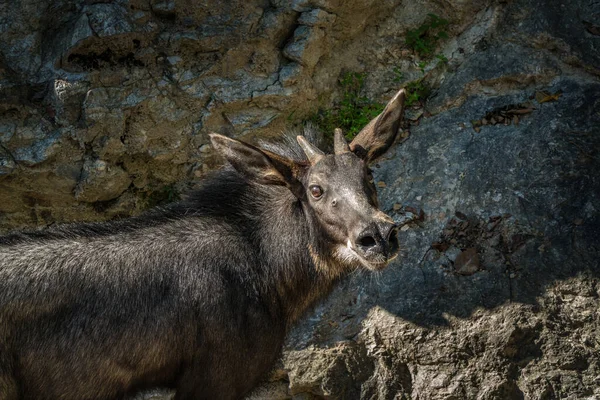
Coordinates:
(312, 153)
(339, 142)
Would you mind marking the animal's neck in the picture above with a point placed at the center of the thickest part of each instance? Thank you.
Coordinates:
(300, 270)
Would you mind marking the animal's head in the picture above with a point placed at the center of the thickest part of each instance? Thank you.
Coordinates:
(336, 190)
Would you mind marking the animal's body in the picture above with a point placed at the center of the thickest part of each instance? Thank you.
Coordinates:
(197, 296)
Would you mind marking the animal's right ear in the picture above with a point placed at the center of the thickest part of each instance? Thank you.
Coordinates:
(379, 134)
(258, 165)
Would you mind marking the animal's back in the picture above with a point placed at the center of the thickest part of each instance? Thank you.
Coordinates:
(197, 296)
(128, 305)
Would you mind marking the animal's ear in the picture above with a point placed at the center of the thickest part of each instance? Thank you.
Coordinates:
(258, 165)
(379, 134)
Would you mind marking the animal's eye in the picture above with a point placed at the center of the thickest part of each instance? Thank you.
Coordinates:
(316, 191)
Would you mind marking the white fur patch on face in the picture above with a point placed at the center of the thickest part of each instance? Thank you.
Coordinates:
(347, 255)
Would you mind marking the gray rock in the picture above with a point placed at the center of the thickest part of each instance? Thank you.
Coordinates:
(275, 24)
(101, 182)
(108, 19)
(163, 7)
(289, 74)
(7, 162)
(39, 151)
(498, 69)
(7, 130)
(550, 24)
(239, 89)
(153, 78)
(301, 5)
(422, 314)
(250, 119)
(81, 31)
(306, 47)
(316, 17)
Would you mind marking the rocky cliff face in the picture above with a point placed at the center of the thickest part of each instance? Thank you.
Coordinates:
(103, 104)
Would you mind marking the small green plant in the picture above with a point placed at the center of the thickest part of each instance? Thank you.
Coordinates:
(353, 112)
(443, 59)
(424, 39)
(398, 75)
(415, 91)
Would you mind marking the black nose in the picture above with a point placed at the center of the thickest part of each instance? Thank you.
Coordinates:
(366, 239)
(388, 230)
(376, 237)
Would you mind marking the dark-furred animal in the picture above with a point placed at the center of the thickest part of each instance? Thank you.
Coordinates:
(196, 296)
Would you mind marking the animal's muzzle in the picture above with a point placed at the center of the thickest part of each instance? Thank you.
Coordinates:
(378, 241)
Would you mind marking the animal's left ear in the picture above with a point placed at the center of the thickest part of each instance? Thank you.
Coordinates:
(259, 165)
(379, 134)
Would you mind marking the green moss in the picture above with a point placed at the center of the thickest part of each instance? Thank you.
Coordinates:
(423, 40)
(416, 91)
(352, 113)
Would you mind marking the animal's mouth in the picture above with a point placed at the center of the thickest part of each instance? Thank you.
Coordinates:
(376, 262)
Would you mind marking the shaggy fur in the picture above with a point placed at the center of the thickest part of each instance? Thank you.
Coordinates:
(196, 296)
(96, 311)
